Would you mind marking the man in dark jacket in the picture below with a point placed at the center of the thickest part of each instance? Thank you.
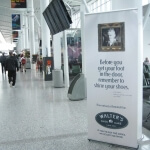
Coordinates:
(11, 66)
(3, 61)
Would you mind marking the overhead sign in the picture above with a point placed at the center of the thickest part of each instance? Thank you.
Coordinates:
(15, 34)
(16, 25)
(18, 4)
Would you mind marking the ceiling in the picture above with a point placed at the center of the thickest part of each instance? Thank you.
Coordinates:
(6, 12)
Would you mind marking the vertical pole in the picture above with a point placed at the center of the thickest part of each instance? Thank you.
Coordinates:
(26, 31)
(57, 50)
(29, 33)
(140, 67)
(32, 34)
(65, 55)
(23, 31)
(32, 28)
(45, 31)
(82, 9)
(20, 40)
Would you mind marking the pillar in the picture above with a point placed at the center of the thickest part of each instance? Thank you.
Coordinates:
(31, 30)
(23, 31)
(65, 56)
(82, 12)
(26, 31)
(57, 50)
(45, 32)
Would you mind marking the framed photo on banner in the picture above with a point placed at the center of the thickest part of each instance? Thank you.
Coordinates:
(111, 37)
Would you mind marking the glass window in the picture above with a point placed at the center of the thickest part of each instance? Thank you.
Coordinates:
(108, 5)
(76, 20)
(102, 5)
(144, 2)
(96, 6)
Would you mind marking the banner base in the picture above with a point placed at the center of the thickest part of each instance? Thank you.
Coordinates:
(116, 145)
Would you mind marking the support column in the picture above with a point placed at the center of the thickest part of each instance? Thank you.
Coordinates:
(31, 30)
(20, 41)
(57, 50)
(82, 9)
(140, 65)
(23, 31)
(26, 31)
(45, 31)
(66, 70)
(29, 34)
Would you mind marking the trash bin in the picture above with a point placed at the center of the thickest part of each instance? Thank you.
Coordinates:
(57, 78)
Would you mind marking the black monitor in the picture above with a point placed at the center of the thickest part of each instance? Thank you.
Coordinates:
(57, 16)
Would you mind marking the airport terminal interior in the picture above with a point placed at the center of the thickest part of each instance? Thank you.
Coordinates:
(36, 116)
(38, 113)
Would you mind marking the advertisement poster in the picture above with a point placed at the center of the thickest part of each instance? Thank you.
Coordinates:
(15, 34)
(18, 4)
(16, 25)
(74, 50)
(112, 94)
(48, 66)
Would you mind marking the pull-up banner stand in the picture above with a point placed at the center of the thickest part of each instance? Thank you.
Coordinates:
(111, 44)
(48, 66)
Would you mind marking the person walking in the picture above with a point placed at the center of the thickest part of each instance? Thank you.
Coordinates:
(11, 65)
(23, 64)
(3, 61)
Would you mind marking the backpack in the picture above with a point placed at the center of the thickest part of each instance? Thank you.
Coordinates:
(23, 61)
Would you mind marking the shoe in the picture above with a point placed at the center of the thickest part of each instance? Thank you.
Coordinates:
(11, 84)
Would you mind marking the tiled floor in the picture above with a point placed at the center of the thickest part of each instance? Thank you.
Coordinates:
(36, 116)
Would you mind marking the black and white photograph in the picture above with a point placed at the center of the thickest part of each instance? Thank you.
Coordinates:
(111, 37)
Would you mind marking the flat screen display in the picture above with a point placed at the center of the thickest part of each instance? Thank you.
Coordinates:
(57, 16)
(18, 4)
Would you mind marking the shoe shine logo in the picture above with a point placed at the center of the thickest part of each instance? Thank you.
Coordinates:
(111, 120)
